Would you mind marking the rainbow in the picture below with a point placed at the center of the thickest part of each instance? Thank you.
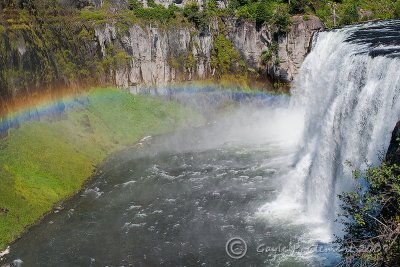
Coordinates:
(38, 105)
(52, 105)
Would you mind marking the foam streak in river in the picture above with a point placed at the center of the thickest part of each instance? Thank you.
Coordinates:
(348, 91)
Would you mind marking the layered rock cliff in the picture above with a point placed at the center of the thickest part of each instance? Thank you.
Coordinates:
(294, 46)
(156, 56)
(152, 51)
(43, 55)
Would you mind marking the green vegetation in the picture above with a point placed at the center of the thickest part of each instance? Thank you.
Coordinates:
(156, 13)
(93, 15)
(271, 12)
(371, 218)
(57, 41)
(44, 162)
(337, 13)
(201, 19)
(135, 4)
(228, 66)
(333, 13)
(263, 11)
(225, 58)
(270, 54)
(51, 33)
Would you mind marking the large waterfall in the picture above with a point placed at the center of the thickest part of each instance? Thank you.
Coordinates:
(348, 91)
(193, 195)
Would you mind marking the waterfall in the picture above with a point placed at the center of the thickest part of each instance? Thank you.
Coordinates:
(348, 91)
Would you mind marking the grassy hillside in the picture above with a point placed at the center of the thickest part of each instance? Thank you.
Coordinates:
(44, 162)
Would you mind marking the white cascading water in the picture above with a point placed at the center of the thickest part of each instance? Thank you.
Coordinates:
(348, 91)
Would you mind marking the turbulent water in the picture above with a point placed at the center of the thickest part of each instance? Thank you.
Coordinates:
(176, 200)
(348, 89)
(269, 172)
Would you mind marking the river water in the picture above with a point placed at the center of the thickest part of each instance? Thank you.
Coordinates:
(266, 171)
(176, 200)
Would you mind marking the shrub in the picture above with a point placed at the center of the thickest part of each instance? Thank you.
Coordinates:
(281, 17)
(200, 19)
(371, 218)
(191, 11)
(263, 12)
(397, 9)
(174, 8)
(212, 6)
(92, 15)
(244, 13)
(157, 13)
(299, 6)
(266, 57)
(325, 14)
(191, 61)
(349, 13)
(269, 12)
(235, 4)
(135, 4)
(122, 58)
(224, 55)
(151, 3)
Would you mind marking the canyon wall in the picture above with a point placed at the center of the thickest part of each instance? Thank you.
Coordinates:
(71, 53)
(152, 50)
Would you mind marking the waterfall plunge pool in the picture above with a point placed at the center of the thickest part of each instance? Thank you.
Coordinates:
(177, 199)
(266, 174)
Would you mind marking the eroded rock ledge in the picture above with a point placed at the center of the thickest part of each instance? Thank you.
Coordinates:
(153, 50)
(144, 54)
(294, 46)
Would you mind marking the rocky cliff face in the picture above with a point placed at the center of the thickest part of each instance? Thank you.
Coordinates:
(129, 55)
(38, 56)
(293, 47)
(158, 56)
(287, 52)
(393, 153)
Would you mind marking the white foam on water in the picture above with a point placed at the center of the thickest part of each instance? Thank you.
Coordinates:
(347, 104)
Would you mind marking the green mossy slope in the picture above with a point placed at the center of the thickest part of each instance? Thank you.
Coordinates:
(44, 162)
